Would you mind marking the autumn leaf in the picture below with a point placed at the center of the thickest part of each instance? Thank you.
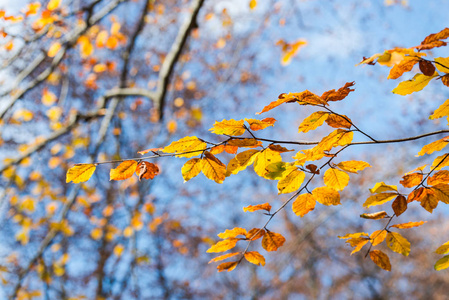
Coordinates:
(405, 65)
(252, 208)
(54, 49)
(289, 50)
(416, 195)
(48, 98)
(303, 204)
(213, 168)
(442, 64)
(353, 166)
(426, 67)
(379, 199)
(416, 84)
(313, 121)
(429, 200)
(357, 243)
(338, 95)
(281, 100)
(53, 4)
(241, 161)
(291, 181)
(408, 225)
(191, 169)
(378, 237)
(442, 263)
(442, 111)
(255, 257)
(229, 127)
(440, 162)
(411, 180)
(399, 205)
(186, 147)
(434, 146)
(443, 249)
(223, 257)
(255, 233)
(227, 266)
(441, 192)
(434, 40)
(146, 170)
(279, 148)
(277, 170)
(232, 233)
(265, 158)
(338, 121)
(143, 152)
(353, 235)
(123, 171)
(398, 243)
(272, 241)
(375, 216)
(380, 259)
(223, 246)
(244, 143)
(439, 177)
(80, 173)
(336, 179)
(260, 124)
(326, 196)
(336, 138)
(382, 187)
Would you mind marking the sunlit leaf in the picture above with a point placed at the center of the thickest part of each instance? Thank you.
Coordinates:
(191, 169)
(227, 266)
(441, 162)
(244, 143)
(429, 200)
(379, 199)
(354, 235)
(229, 127)
(405, 65)
(378, 237)
(398, 243)
(186, 147)
(358, 243)
(232, 233)
(375, 216)
(146, 170)
(442, 111)
(416, 84)
(408, 225)
(303, 204)
(399, 205)
(442, 64)
(213, 168)
(53, 4)
(251, 208)
(411, 180)
(255, 233)
(338, 95)
(223, 257)
(326, 196)
(80, 173)
(54, 49)
(265, 158)
(255, 257)
(434, 146)
(291, 181)
(260, 124)
(443, 249)
(435, 37)
(313, 121)
(441, 192)
(272, 241)
(223, 246)
(438, 177)
(123, 171)
(380, 259)
(241, 161)
(48, 98)
(382, 187)
(336, 179)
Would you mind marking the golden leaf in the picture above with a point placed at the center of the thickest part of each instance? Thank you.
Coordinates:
(398, 243)
(80, 173)
(255, 257)
(378, 237)
(255, 233)
(282, 99)
(442, 263)
(232, 233)
(303, 204)
(146, 170)
(336, 138)
(336, 179)
(442, 64)
(251, 208)
(338, 95)
(440, 162)
(439, 177)
(245, 143)
(379, 199)
(54, 49)
(213, 168)
(241, 161)
(143, 152)
(358, 243)
(353, 166)
(405, 65)
(289, 50)
(408, 225)
(443, 249)
(411, 180)
(416, 195)
(441, 192)
(229, 127)
(123, 171)
(380, 259)
(53, 4)
(337, 121)
(279, 148)
(260, 124)
(291, 181)
(48, 98)
(434, 146)
(223, 257)
(429, 200)
(382, 187)
(307, 98)
(272, 241)
(191, 169)
(313, 121)
(375, 216)
(263, 159)
(417, 83)
(353, 235)
(186, 147)
(252, 4)
(399, 205)
(223, 246)
(326, 196)
(442, 111)
(227, 266)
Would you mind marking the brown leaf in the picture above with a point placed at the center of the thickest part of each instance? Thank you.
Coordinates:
(255, 233)
(255, 257)
(411, 180)
(399, 205)
(435, 38)
(342, 92)
(426, 67)
(313, 169)
(272, 241)
(227, 266)
(146, 170)
(375, 216)
(380, 259)
(445, 80)
(337, 121)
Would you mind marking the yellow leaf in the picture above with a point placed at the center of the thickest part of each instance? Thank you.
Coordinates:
(434, 146)
(379, 199)
(263, 159)
(223, 246)
(313, 121)
(118, 250)
(358, 243)
(255, 257)
(48, 98)
(442, 64)
(272, 241)
(96, 233)
(123, 171)
(291, 50)
(353, 166)
(411, 180)
(186, 147)
(336, 138)
(252, 4)
(416, 84)
(291, 181)
(227, 266)
(398, 243)
(191, 169)
(241, 161)
(213, 168)
(442, 111)
(53, 4)
(54, 49)
(408, 225)
(441, 192)
(439, 177)
(354, 235)
(440, 162)
(375, 216)
(326, 196)
(251, 208)
(443, 249)
(303, 204)
(223, 257)
(336, 179)
(380, 259)
(382, 187)
(80, 173)
(233, 233)
(260, 124)
(229, 127)
(378, 237)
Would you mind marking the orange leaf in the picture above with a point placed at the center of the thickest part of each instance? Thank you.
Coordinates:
(251, 208)
(337, 121)
(272, 241)
(326, 196)
(223, 246)
(149, 150)
(399, 205)
(255, 233)
(223, 257)
(430, 41)
(342, 92)
(80, 173)
(378, 237)
(146, 170)
(279, 148)
(227, 266)
(411, 180)
(217, 149)
(408, 225)
(380, 259)
(255, 257)
(232, 233)
(123, 171)
(441, 192)
(213, 168)
(191, 169)
(303, 204)
(229, 127)
(244, 143)
(429, 200)
(439, 177)
(260, 124)
(405, 65)
(282, 99)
